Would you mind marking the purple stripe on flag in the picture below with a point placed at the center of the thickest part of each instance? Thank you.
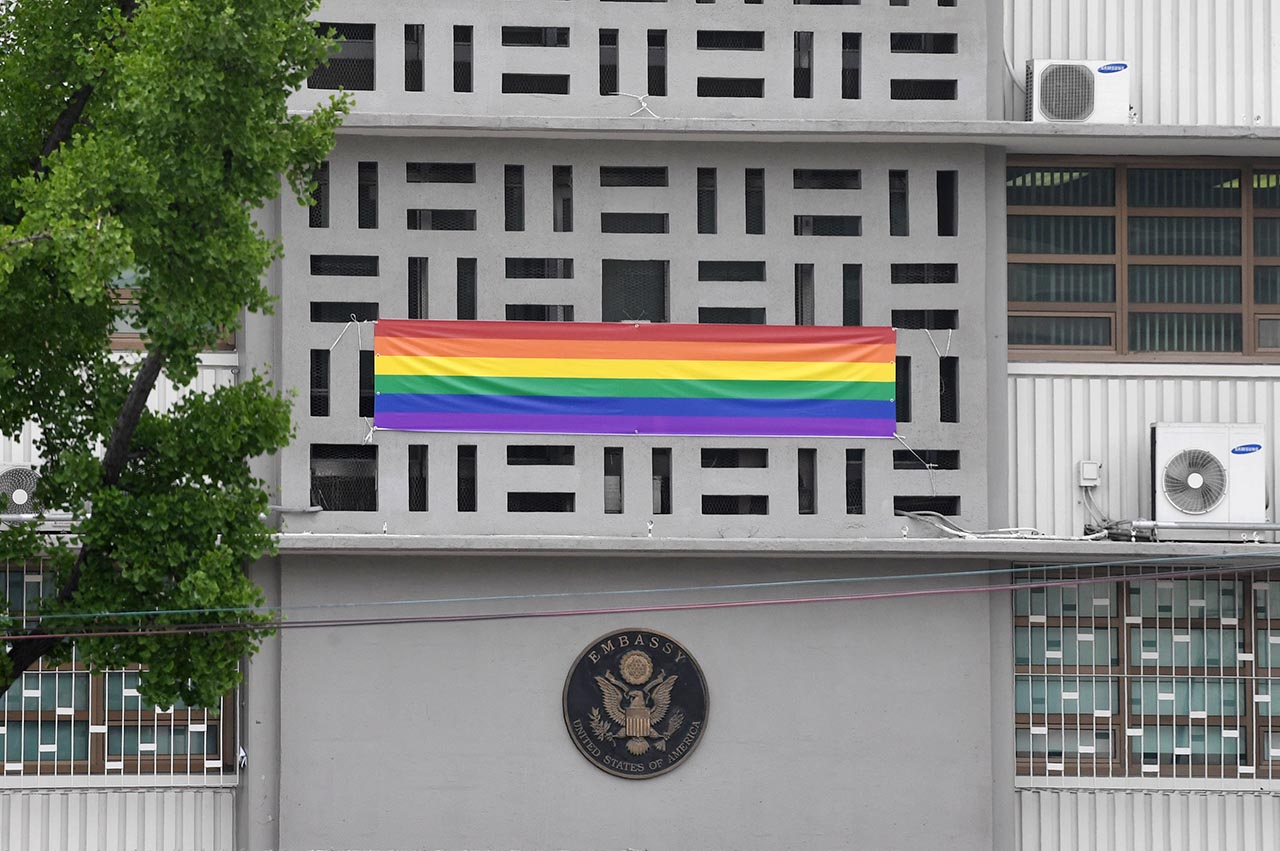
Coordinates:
(603, 424)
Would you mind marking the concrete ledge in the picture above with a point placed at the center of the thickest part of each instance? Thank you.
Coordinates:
(1017, 137)
(302, 543)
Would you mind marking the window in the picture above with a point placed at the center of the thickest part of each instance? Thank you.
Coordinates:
(633, 290)
(352, 66)
(413, 39)
(1143, 260)
(657, 62)
(318, 216)
(344, 477)
(69, 721)
(367, 195)
(1147, 674)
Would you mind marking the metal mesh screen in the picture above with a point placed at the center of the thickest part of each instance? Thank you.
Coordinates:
(535, 84)
(633, 175)
(441, 219)
(540, 501)
(366, 383)
(413, 57)
(706, 200)
(513, 198)
(540, 455)
(802, 66)
(806, 478)
(362, 265)
(344, 477)
(466, 471)
(804, 293)
(948, 506)
(440, 172)
(418, 477)
(608, 62)
(731, 315)
(855, 481)
(634, 290)
(462, 58)
(826, 178)
(319, 382)
(923, 273)
(418, 288)
(634, 223)
(734, 458)
(920, 42)
(754, 191)
(851, 66)
(902, 394)
(730, 40)
(539, 267)
(539, 312)
(828, 226)
(735, 504)
(922, 89)
(344, 311)
(367, 207)
(466, 288)
(851, 295)
(352, 66)
(562, 198)
(949, 389)
(318, 215)
(933, 320)
(657, 62)
(926, 459)
(730, 87)
(731, 270)
(899, 211)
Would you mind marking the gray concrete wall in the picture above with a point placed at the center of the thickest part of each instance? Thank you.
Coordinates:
(685, 62)
(976, 343)
(835, 725)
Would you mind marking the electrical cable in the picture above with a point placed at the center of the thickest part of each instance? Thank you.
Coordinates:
(209, 629)
(1013, 570)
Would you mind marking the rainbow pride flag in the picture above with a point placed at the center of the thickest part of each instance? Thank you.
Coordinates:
(628, 378)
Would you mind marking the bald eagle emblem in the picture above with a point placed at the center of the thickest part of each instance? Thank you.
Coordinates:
(637, 703)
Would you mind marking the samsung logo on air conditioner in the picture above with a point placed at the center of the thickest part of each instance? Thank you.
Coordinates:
(1245, 448)
(1113, 67)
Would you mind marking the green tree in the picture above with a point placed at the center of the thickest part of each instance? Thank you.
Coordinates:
(138, 138)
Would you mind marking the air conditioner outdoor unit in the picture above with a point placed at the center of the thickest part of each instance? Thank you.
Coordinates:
(1082, 91)
(1208, 473)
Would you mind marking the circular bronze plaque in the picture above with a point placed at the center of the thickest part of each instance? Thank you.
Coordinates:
(635, 703)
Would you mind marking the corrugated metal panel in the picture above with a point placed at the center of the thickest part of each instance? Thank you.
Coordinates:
(1197, 61)
(1057, 419)
(1105, 820)
(117, 819)
(21, 451)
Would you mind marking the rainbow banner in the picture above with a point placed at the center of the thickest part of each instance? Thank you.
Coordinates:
(628, 378)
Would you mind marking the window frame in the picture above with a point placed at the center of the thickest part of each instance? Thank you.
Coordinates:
(1120, 310)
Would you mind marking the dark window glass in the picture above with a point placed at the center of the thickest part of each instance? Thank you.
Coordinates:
(948, 203)
(804, 293)
(344, 311)
(1185, 285)
(1184, 187)
(1062, 235)
(730, 87)
(923, 273)
(466, 478)
(535, 36)
(730, 40)
(440, 172)
(932, 320)
(1065, 282)
(1184, 236)
(1044, 186)
(539, 312)
(441, 219)
(828, 226)
(949, 389)
(731, 315)
(539, 267)
(633, 175)
(926, 459)
(1185, 332)
(634, 223)
(535, 84)
(902, 394)
(922, 89)
(826, 178)
(806, 483)
(660, 471)
(922, 42)
(1089, 331)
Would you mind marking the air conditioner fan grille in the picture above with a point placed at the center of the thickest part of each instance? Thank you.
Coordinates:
(1195, 481)
(1066, 92)
(17, 491)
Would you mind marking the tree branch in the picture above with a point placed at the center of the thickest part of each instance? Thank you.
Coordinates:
(17, 243)
(23, 654)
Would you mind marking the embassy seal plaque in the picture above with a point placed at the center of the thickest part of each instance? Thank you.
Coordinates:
(635, 703)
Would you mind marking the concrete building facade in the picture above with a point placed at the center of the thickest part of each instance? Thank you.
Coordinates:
(942, 639)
